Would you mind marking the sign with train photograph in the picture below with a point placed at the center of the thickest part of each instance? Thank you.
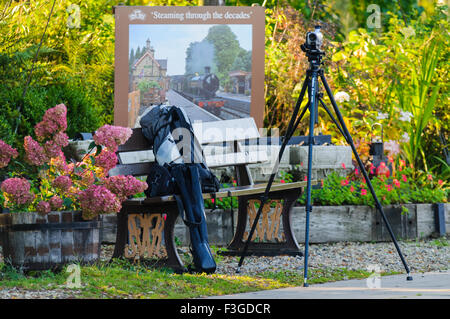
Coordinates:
(208, 60)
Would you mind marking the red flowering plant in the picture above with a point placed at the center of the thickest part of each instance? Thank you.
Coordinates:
(398, 188)
(63, 185)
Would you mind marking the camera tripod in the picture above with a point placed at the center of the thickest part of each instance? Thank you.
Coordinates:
(311, 83)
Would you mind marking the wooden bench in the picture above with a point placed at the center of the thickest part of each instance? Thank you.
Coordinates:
(145, 226)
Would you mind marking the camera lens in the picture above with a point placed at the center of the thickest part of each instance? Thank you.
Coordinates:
(312, 37)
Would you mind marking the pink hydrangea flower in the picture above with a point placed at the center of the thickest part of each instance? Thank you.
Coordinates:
(52, 149)
(112, 136)
(61, 139)
(344, 182)
(59, 162)
(396, 183)
(34, 152)
(63, 183)
(56, 202)
(15, 185)
(124, 186)
(106, 160)
(363, 192)
(404, 178)
(98, 199)
(43, 207)
(18, 190)
(53, 121)
(69, 168)
(6, 153)
(352, 189)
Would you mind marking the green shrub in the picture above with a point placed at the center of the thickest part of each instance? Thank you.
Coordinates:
(223, 203)
(82, 116)
(6, 130)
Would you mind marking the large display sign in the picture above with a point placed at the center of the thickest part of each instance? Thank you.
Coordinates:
(208, 60)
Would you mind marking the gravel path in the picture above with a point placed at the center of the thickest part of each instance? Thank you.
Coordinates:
(422, 256)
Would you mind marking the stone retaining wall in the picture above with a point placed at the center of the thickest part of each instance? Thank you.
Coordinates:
(327, 224)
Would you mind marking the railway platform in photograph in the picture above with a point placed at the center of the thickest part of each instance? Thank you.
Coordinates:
(194, 112)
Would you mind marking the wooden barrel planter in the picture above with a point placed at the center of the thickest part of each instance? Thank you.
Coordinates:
(34, 242)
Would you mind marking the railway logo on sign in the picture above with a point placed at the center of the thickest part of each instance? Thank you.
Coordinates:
(137, 15)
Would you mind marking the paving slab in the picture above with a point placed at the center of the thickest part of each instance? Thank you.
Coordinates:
(431, 285)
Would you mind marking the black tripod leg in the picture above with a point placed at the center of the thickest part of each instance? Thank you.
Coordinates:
(333, 119)
(313, 98)
(292, 123)
(366, 177)
(290, 131)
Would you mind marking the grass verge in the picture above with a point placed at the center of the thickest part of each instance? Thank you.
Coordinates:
(123, 279)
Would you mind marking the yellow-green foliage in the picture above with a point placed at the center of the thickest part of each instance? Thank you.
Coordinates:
(401, 67)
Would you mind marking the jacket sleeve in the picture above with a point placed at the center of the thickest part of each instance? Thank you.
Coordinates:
(147, 123)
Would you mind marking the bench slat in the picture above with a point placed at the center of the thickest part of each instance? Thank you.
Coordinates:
(238, 158)
(226, 131)
(224, 192)
(213, 161)
(135, 169)
(137, 142)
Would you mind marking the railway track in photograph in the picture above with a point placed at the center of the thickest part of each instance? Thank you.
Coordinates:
(234, 109)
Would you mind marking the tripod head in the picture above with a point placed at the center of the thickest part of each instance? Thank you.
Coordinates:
(312, 45)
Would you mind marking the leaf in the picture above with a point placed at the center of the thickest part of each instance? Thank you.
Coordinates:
(77, 169)
(96, 178)
(67, 202)
(338, 56)
(99, 150)
(92, 145)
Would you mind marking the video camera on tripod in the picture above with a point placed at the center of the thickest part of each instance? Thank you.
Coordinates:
(312, 45)
(314, 39)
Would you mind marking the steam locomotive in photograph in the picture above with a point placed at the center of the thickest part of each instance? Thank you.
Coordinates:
(200, 90)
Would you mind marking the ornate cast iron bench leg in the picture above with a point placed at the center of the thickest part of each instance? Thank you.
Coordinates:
(268, 239)
(141, 233)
